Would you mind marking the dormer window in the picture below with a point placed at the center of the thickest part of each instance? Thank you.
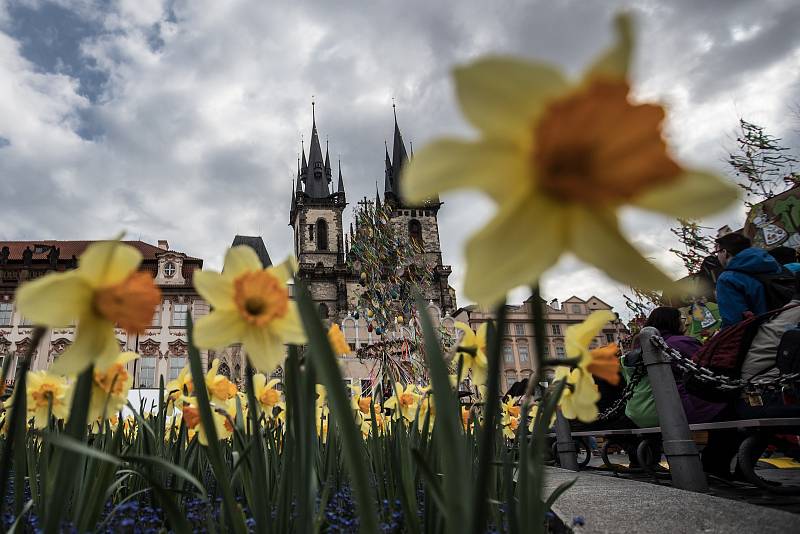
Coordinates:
(317, 164)
(170, 269)
(318, 174)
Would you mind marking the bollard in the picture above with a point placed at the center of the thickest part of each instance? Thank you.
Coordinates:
(565, 445)
(679, 448)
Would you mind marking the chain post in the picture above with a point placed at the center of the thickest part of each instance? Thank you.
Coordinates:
(679, 448)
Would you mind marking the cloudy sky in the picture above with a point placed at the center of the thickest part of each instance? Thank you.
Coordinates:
(181, 120)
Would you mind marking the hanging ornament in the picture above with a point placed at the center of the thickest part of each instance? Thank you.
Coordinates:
(370, 313)
(369, 327)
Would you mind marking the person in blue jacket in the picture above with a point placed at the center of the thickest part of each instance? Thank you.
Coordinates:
(737, 292)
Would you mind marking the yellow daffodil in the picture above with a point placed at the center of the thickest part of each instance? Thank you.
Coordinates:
(48, 394)
(110, 387)
(579, 399)
(250, 304)
(601, 362)
(472, 348)
(182, 385)
(106, 289)
(427, 409)
(405, 402)
(221, 412)
(510, 427)
(559, 158)
(267, 395)
(220, 388)
(337, 340)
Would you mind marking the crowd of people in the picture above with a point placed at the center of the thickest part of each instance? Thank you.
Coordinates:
(758, 300)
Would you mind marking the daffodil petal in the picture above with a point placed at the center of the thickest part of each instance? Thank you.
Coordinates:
(491, 166)
(523, 240)
(108, 263)
(94, 342)
(285, 270)
(596, 239)
(289, 328)
(694, 194)
(216, 289)
(469, 338)
(218, 329)
(614, 63)
(54, 300)
(241, 259)
(259, 380)
(265, 351)
(579, 336)
(503, 96)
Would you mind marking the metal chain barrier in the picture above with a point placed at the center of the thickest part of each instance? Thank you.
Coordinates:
(619, 405)
(721, 382)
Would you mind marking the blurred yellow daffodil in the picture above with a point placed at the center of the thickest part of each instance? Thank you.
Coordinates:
(110, 388)
(221, 413)
(337, 340)
(267, 395)
(106, 289)
(48, 394)
(579, 399)
(405, 402)
(180, 386)
(472, 348)
(559, 157)
(250, 304)
(220, 388)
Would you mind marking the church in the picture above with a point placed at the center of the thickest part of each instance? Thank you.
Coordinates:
(321, 242)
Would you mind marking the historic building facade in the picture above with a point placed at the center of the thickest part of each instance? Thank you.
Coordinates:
(162, 347)
(518, 337)
(316, 218)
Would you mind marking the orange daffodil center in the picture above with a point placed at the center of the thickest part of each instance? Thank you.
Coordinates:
(594, 146)
(113, 379)
(250, 305)
(130, 303)
(260, 297)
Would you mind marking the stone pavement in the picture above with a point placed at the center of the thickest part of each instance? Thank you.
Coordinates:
(616, 505)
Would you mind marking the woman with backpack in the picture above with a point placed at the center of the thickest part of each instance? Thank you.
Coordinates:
(641, 407)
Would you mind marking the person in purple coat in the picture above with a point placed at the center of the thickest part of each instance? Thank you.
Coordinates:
(668, 322)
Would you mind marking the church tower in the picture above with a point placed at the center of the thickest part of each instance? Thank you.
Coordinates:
(419, 222)
(316, 219)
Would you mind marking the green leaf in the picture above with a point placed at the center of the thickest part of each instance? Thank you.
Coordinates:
(487, 432)
(340, 409)
(213, 450)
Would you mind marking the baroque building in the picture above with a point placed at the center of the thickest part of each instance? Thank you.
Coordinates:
(162, 346)
(320, 241)
(518, 337)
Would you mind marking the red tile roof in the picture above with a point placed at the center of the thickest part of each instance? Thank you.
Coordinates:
(76, 248)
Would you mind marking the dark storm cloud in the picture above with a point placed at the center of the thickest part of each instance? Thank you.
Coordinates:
(182, 120)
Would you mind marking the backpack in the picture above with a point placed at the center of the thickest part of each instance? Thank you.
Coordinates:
(723, 354)
(788, 357)
(779, 288)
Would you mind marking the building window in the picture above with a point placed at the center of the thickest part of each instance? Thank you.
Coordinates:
(576, 308)
(169, 269)
(560, 351)
(507, 329)
(147, 372)
(510, 381)
(546, 349)
(311, 232)
(322, 235)
(176, 364)
(523, 353)
(24, 321)
(323, 310)
(415, 232)
(508, 353)
(609, 337)
(519, 329)
(156, 317)
(6, 312)
(556, 329)
(179, 314)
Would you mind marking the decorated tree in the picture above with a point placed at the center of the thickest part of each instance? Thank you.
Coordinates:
(763, 166)
(697, 244)
(383, 258)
